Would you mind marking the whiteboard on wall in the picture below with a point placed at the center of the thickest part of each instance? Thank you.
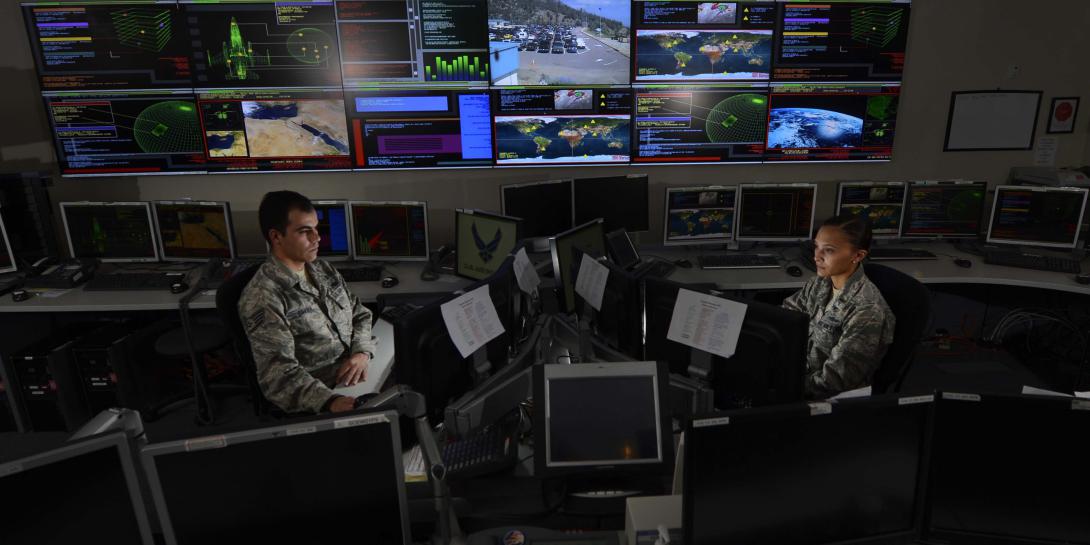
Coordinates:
(992, 120)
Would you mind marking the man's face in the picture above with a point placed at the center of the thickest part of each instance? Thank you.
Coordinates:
(299, 241)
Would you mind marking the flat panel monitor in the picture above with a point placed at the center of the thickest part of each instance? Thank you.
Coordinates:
(86, 491)
(776, 212)
(390, 230)
(573, 45)
(335, 229)
(416, 128)
(413, 42)
(832, 122)
(238, 487)
(618, 320)
(589, 237)
(699, 215)
(1009, 470)
(620, 200)
(1037, 216)
(935, 209)
(274, 130)
(601, 416)
(89, 47)
(194, 230)
(110, 231)
(707, 124)
(573, 126)
(28, 211)
(834, 41)
(263, 44)
(119, 133)
(785, 477)
(883, 204)
(546, 208)
(684, 41)
(769, 365)
(7, 256)
(483, 241)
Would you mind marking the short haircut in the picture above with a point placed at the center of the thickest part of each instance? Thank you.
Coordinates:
(275, 208)
(855, 226)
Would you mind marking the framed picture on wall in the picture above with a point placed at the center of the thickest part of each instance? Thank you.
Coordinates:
(1062, 114)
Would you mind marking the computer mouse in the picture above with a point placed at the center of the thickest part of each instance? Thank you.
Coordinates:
(684, 263)
(362, 400)
(1083, 278)
(960, 262)
(20, 295)
(178, 287)
(389, 281)
(793, 270)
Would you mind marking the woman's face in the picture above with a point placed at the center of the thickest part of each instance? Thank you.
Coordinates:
(834, 253)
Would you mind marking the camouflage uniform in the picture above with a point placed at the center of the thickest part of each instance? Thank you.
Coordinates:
(301, 331)
(848, 341)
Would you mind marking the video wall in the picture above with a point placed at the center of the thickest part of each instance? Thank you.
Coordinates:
(201, 86)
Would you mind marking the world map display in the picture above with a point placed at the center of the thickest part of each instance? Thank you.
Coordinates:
(703, 55)
(603, 138)
(699, 223)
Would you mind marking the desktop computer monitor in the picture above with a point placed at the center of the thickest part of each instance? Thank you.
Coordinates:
(620, 200)
(776, 212)
(429, 362)
(947, 209)
(546, 208)
(619, 321)
(7, 257)
(28, 211)
(790, 475)
(768, 366)
(110, 231)
(1037, 216)
(333, 227)
(483, 240)
(699, 215)
(1009, 469)
(592, 417)
(86, 491)
(589, 237)
(321, 479)
(883, 203)
(194, 230)
(390, 230)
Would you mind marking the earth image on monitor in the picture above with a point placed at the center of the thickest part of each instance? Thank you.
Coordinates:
(813, 128)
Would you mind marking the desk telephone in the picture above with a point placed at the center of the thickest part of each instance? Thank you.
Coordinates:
(49, 272)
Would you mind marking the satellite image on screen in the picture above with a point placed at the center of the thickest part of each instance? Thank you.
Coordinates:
(813, 128)
(703, 54)
(536, 139)
(296, 128)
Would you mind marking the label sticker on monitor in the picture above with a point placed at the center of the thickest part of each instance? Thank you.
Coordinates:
(300, 431)
(204, 443)
(709, 422)
(818, 409)
(916, 399)
(960, 397)
(360, 421)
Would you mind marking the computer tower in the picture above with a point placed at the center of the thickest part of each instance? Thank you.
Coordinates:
(45, 387)
(94, 364)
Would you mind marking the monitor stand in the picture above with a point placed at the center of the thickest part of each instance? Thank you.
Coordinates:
(606, 495)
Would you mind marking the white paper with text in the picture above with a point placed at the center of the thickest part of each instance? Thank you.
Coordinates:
(706, 322)
(472, 320)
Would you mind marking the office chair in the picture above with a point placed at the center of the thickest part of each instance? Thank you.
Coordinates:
(910, 302)
(227, 297)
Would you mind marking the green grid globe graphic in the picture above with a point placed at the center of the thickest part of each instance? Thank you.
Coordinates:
(740, 118)
(310, 45)
(168, 127)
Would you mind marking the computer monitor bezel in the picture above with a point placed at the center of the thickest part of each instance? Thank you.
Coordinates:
(316, 424)
(543, 464)
(152, 234)
(740, 203)
(571, 198)
(356, 256)
(718, 240)
(1037, 189)
(458, 212)
(558, 272)
(7, 246)
(630, 178)
(349, 253)
(223, 205)
(907, 218)
(116, 440)
(904, 197)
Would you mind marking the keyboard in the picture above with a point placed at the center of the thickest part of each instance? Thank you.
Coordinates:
(655, 269)
(899, 254)
(393, 313)
(739, 261)
(133, 281)
(361, 274)
(494, 448)
(1032, 261)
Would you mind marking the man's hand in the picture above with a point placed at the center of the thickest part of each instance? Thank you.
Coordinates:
(352, 370)
(342, 404)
